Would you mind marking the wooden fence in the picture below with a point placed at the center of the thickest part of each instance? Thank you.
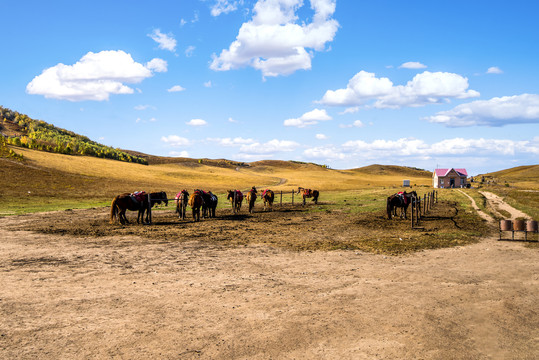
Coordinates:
(420, 207)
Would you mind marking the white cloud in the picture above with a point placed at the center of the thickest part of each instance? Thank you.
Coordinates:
(321, 136)
(324, 153)
(357, 123)
(196, 122)
(189, 51)
(176, 88)
(142, 107)
(208, 84)
(157, 65)
(224, 7)
(175, 141)
(269, 147)
(412, 65)
(274, 41)
(498, 111)
(183, 153)
(232, 120)
(309, 118)
(165, 41)
(94, 77)
(494, 70)
(424, 88)
(237, 141)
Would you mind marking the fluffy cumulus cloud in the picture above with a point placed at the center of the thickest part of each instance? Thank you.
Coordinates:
(237, 141)
(494, 70)
(405, 149)
(175, 141)
(176, 88)
(498, 111)
(275, 41)
(197, 122)
(425, 88)
(224, 7)
(412, 65)
(309, 118)
(94, 77)
(164, 41)
(268, 148)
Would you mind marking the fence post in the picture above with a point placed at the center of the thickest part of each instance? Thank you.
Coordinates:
(413, 209)
(281, 198)
(292, 197)
(424, 204)
(149, 209)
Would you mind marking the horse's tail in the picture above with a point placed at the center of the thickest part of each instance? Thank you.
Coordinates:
(389, 208)
(113, 209)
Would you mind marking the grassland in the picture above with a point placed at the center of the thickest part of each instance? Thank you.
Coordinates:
(48, 181)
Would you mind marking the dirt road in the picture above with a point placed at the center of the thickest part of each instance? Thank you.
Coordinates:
(66, 297)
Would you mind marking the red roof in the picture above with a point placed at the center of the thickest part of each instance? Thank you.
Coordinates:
(444, 172)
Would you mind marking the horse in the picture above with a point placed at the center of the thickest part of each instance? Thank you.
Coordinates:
(399, 200)
(307, 193)
(181, 200)
(268, 196)
(209, 205)
(236, 203)
(251, 198)
(195, 202)
(137, 201)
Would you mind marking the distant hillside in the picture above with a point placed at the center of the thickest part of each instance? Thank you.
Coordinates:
(389, 170)
(523, 176)
(20, 130)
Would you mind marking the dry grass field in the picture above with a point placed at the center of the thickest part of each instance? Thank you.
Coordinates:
(335, 280)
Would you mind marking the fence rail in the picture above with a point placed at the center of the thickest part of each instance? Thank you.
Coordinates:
(420, 208)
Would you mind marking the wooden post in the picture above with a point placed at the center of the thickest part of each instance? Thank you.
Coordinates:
(292, 197)
(149, 209)
(281, 198)
(424, 204)
(413, 209)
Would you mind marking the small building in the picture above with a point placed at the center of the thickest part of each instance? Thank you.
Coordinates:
(406, 183)
(449, 178)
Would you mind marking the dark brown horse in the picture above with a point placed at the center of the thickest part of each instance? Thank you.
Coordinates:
(181, 200)
(209, 205)
(251, 198)
(137, 201)
(195, 202)
(307, 193)
(236, 198)
(399, 200)
(268, 197)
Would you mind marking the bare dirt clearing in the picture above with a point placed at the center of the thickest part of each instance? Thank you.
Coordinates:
(79, 288)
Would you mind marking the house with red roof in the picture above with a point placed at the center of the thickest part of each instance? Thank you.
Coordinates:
(449, 178)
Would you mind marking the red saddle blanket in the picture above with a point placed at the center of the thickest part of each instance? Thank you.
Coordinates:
(139, 196)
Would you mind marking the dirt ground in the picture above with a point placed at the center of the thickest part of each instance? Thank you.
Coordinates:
(74, 286)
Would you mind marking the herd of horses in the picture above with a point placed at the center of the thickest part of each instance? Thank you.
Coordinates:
(206, 202)
(199, 201)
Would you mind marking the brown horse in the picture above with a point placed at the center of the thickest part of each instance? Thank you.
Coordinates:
(307, 193)
(209, 205)
(400, 200)
(268, 196)
(181, 200)
(251, 198)
(195, 202)
(235, 200)
(137, 201)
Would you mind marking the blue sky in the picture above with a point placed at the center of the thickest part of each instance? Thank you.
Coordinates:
(344, 83)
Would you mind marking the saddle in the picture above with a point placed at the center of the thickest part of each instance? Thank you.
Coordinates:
(307, 192)
(138, 196)
(403, 199)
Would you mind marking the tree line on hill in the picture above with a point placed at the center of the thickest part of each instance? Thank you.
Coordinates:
(40, 135)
